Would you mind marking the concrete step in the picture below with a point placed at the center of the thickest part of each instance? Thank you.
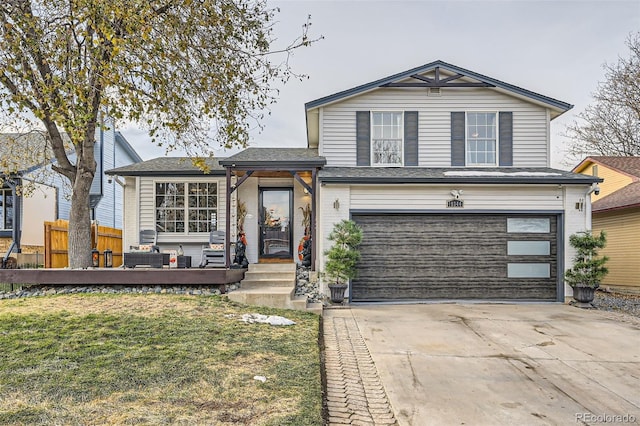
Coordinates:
(273, 297)
(267, 282)
(275, 267)
(257, 275)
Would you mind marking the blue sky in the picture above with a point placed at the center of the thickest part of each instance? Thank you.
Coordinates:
(555, 48)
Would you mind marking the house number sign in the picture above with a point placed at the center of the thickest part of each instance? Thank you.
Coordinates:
(455, 204)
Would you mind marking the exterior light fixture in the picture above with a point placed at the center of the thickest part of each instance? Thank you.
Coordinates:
(336, 204)
(108, 258)
(95, 258)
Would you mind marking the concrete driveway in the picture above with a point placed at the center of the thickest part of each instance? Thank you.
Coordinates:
(495, 364)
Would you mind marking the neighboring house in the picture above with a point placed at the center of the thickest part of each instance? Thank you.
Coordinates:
(616, 210)
(47, 197)
(447, 171)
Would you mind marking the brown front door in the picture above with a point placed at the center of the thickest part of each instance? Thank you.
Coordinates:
(276, 212)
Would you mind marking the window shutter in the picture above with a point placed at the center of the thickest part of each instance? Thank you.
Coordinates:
(411, 138)
(458, 139)
(506, 138)
(363, 138)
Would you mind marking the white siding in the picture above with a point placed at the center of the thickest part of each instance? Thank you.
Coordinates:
(476, 197)
(530, 125)
(130, 223)
(328, 217)
(576, 220)
(192, 242)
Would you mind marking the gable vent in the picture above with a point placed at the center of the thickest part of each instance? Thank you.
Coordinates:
(435, 91)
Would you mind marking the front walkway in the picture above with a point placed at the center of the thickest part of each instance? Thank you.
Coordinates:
(355, 395)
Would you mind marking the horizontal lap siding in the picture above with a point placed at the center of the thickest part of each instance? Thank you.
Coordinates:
(434, 114)
(623, 246)
(407, 257)
(147, 208)
(410, 197)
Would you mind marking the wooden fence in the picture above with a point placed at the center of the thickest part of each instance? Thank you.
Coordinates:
(56, 243)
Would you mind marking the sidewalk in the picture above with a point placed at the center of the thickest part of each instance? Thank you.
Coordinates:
(355, 395)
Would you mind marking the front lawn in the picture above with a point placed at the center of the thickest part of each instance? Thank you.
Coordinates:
(155, 359)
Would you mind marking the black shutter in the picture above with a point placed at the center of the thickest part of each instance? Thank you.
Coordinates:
(506, 138)
(458, 139)
(411, 138)
(363, 138)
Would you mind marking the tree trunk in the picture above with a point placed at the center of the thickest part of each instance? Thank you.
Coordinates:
(80, 222)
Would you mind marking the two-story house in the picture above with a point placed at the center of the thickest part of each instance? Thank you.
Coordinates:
(446, 170)
(616, 210)
(43, 195)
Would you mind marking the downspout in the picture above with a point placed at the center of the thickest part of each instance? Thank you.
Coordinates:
(227, 236)
(314, 240)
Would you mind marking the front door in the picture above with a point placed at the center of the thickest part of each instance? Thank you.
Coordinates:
(276, 212)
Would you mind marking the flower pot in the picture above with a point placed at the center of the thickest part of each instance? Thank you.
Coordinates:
(584, 295)
(337, 292)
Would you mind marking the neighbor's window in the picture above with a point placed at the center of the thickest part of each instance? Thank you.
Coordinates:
(386, 138)
(481, 138)
(186, 207)
(6, 209)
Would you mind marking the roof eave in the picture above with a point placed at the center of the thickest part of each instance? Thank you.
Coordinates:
(281, 165)
(616, 208)
(461, 179)
(116, 172)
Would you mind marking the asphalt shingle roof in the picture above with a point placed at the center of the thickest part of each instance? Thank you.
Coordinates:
(22, 152)
(275, 157)
(167, 166)
(628, 165)
(628, 196)
(445, 175)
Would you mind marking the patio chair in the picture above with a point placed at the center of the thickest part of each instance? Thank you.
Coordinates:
(215, 252)
(149, 237)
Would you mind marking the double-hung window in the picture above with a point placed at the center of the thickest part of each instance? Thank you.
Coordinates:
(6, 209)
(386, 138)
(481, 138)
(186, 207)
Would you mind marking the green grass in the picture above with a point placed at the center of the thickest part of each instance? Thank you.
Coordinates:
(155, 359)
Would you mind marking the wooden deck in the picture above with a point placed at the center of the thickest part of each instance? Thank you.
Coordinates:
(119, 276)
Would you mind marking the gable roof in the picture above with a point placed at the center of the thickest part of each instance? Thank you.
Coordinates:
(168, 166)
(555, 106)
(126, 146)
(629, 166)
(275, 157)
(626, 197)
(24, 152)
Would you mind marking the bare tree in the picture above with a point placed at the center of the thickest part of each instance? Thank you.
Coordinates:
(191, 72)
(611, 124)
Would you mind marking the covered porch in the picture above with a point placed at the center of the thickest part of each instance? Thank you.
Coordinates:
(276, 188)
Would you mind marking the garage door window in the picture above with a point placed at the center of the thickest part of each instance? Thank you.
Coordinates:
(528, 248)
(529, 225)
(528, 270)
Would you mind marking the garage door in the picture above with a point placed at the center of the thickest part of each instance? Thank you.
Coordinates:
(456, 256)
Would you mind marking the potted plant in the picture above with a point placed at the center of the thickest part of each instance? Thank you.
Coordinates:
(342, 257)
(588, 268)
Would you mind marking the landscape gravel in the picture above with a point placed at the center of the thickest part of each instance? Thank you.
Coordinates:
(618, 302)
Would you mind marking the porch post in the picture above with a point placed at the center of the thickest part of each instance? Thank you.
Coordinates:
(227, 236)
(314, 242)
